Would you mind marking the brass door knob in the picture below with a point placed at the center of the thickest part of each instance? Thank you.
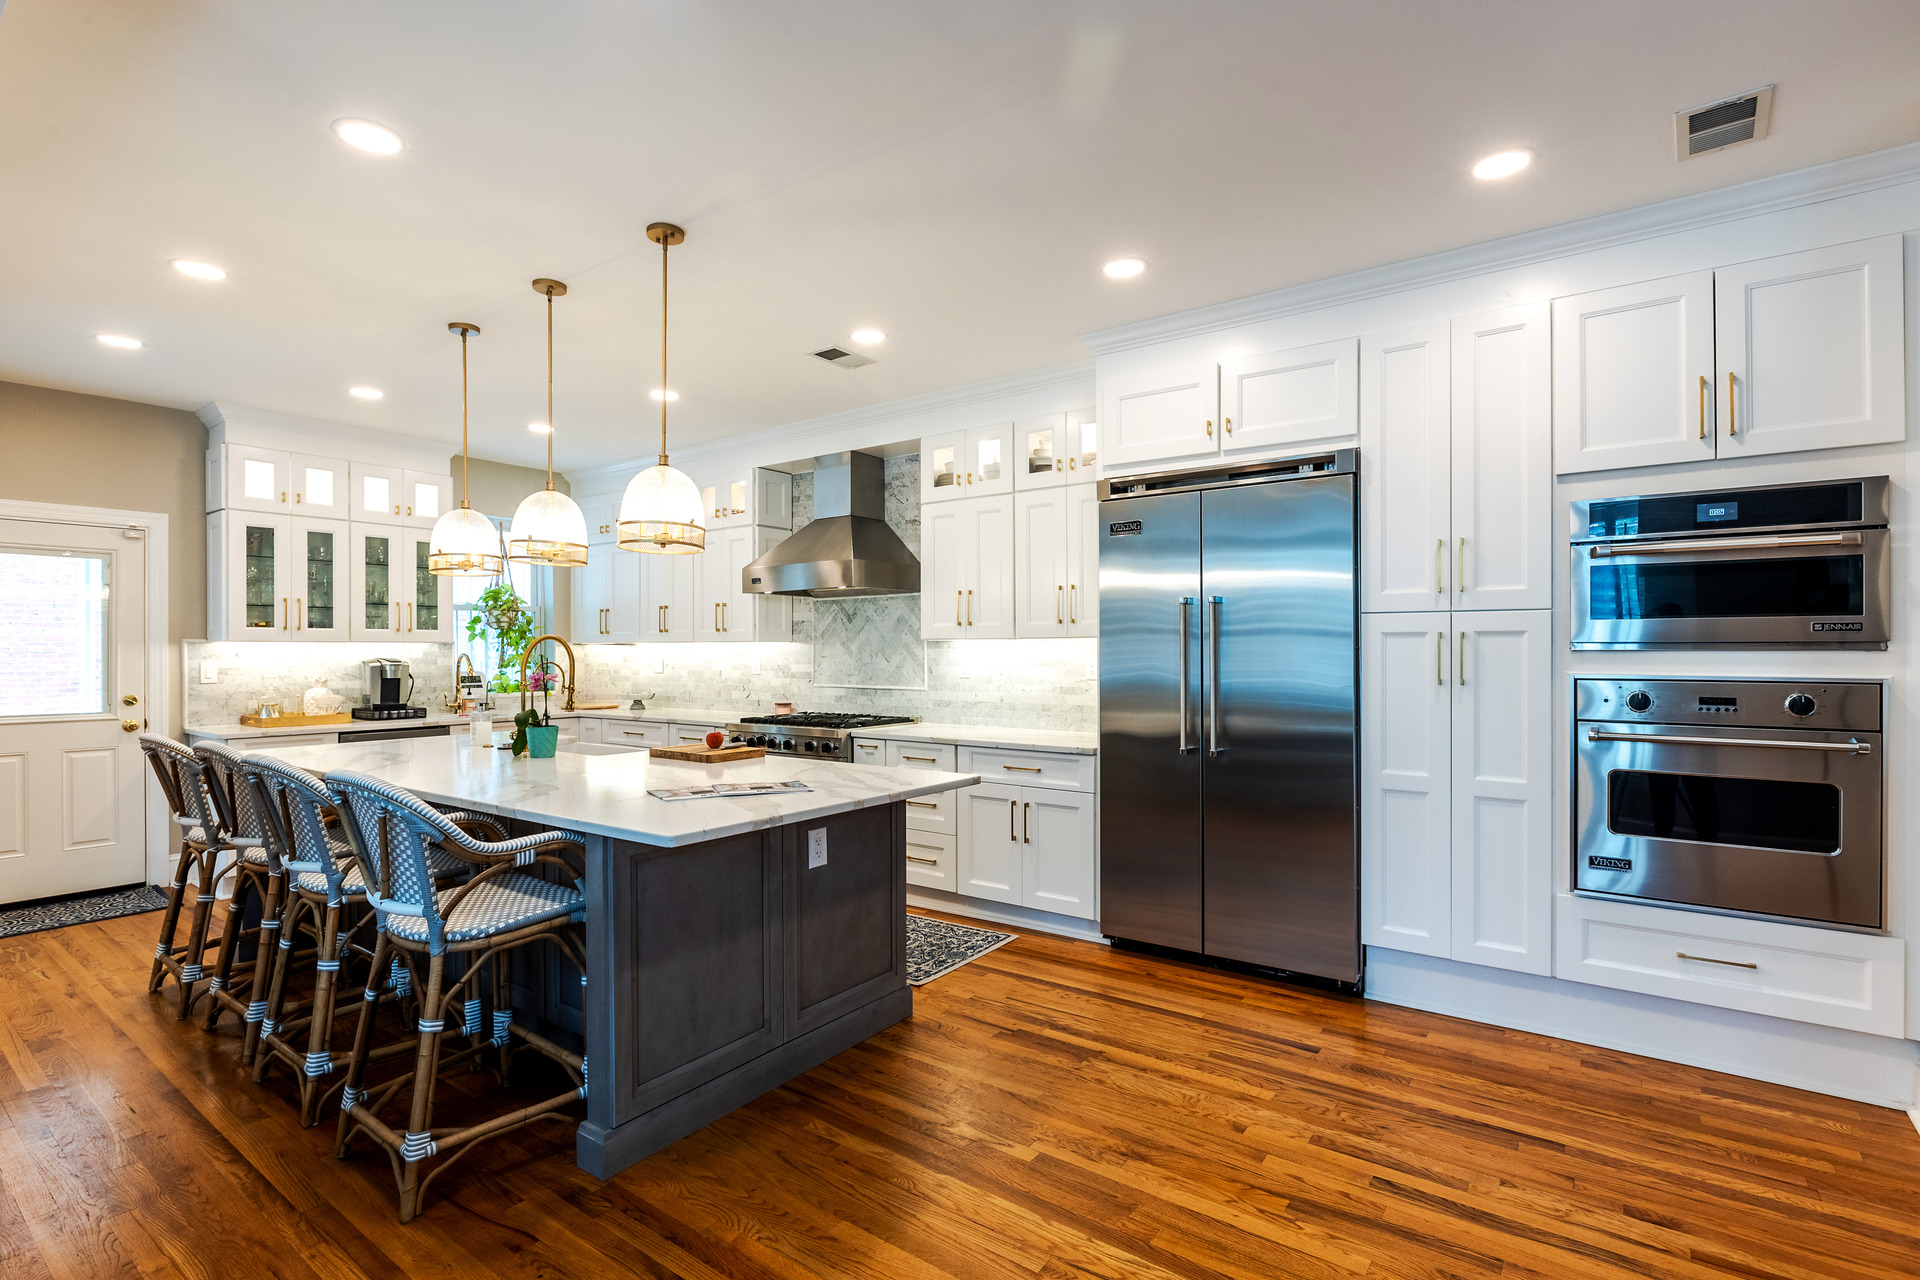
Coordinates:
(129, 726)
(129, 700)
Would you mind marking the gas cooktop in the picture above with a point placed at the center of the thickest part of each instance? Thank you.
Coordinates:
(827, 720)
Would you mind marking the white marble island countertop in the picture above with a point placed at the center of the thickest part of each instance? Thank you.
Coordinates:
(607, 794)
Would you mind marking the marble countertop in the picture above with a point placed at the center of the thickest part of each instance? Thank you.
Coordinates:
(607, 794)
(980, 735)
(503, 717)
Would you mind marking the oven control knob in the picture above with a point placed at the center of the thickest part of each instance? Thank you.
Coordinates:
(1639, 700)
(828, 748)
(809, 746)
(1801, 705)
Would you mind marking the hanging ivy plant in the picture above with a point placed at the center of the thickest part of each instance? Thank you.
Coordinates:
(505, 623)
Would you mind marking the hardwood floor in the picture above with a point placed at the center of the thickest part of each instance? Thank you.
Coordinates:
(1055, 1109)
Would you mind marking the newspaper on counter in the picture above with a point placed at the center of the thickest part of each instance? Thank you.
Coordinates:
(731, 789)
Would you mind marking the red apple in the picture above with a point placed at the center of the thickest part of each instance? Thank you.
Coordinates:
(715, 738)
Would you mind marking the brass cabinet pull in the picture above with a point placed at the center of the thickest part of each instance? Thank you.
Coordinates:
(1703, 406)
(1073, 464)
(716, 617)
(1056, 604)
(1440, 566)
(1011, 806)
(969, 608)
(1463, 659)
(296, 499)
(956, 608)
(922, 804)
(1209, 428)
(283, 497)
(1228, 423)
(1021, 768)
(724, 624)
(410, 626)
(922, 759)
(1460, 577)
(1026, 822)
(1439, 657)
(409, 510)
(925, 862)
(1730, 393)
(1731, 964)
(396, 508)
(1073, 616)
(283, 613)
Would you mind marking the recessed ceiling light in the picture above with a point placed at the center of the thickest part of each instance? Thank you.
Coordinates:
(659, 393)
(366, 393)
(867, 337)
(117, 340)
(540, 427)
(1123, 268)
(1502, 164)
(368, 136)
(198, 270)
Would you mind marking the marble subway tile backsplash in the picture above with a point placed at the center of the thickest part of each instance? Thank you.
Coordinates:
(251, 672)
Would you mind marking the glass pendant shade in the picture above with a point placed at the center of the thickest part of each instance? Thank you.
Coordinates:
(548, 529)
(465, 545)
(662, 512)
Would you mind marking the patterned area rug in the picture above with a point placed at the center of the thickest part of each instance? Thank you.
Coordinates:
(936, 947)
(85, 909)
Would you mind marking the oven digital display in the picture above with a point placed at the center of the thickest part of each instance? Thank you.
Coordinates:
(1716, 512)
(1726, 705)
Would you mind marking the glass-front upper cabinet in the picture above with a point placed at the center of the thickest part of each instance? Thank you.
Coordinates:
(319, 487)
(423, 498)
(377, 493)
(265, 607)
(967, 464)
(319, 579)
(371, 598)
(428, 600)
(1055, 448)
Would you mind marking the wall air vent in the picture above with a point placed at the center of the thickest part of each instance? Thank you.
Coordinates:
(844, 359)
(1719, 125)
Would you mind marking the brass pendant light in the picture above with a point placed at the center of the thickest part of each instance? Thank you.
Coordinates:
(661, 511)
(549, 527)
(465, 544)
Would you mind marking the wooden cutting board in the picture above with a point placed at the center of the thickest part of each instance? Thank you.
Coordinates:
(708, 755)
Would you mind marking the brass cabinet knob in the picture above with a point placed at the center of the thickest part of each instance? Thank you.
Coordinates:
(129, 726)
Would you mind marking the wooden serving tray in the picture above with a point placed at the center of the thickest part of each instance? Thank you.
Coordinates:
(596, 706)
(293, 722)
(707, 755)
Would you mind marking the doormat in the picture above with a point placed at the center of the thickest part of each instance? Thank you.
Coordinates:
(86, 908)
(936, 947)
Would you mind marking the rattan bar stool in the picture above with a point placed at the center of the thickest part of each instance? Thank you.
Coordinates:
(256, 874)
(499, 910)
(328, 903)
(181, 774)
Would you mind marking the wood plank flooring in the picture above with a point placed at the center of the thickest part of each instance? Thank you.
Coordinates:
(1056, 1109)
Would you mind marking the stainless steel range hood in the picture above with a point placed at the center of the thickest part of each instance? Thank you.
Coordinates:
(847, 550)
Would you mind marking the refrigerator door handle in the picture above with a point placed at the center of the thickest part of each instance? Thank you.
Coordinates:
(1186, 629)
(1213, 676)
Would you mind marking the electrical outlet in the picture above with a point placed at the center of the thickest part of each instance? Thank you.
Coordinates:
(209, 672)
(756, 664)
(1093, 668)
(816, 848)
(659, 663)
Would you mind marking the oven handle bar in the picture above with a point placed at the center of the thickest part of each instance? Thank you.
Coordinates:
(1728, 544)
(1852, 748)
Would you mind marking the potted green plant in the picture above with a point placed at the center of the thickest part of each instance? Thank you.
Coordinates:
(534, 731)
(505, 623)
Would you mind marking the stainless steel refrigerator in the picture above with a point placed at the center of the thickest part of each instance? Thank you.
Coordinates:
(1228, 736)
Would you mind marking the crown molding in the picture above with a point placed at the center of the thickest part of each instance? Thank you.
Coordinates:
(267, 427)
(810, 436)
(1855, 174)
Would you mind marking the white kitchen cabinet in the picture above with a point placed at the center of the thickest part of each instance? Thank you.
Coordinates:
(249, 576)
(1057, 867)
(427, 596)
(1633, 375)
(722, 611)
(376, 492)
(1164, 417)
(636, 734)
(976, 463)
(667, 587)
(1406, 483)
(967, 569)
(1801, 351)
(244, 477)
(1083, 560)
(600, 513)
(374, 582)
(1056, 561)
(932, 860)
(424, 498)
(1055, 449)
(592, 595)
(1502, 467)
(319, 486)
(1502, 794)
(746, 496)
(1300, 398)
(1406, 758)
(1811, 349)
(991, 861)
(319, 578)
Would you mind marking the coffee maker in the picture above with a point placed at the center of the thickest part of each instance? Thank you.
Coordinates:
(389, 688)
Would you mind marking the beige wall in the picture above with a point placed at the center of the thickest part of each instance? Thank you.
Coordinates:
(90, 451)
(495, 489)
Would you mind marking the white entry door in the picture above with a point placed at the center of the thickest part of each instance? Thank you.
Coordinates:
(72, 699)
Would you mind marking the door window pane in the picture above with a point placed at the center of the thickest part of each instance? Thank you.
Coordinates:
(944, 474)
(261, 576)
(989, 455)
(1762, 813)
(1040, 446)
(54, 616)
(426, 590)
(320, 555)
(379, 592)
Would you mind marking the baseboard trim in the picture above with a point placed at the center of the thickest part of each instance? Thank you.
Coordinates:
(955, 904)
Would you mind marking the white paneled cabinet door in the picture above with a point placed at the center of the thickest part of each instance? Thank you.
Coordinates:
(1305, 396)
(427, 597)
(254, 586)
(1040, 570)
(1083, 560)
(988, 607)
(1502, 795)
(943, 571)
(319, 578)
(373, 590)
(990, 848)
(624, 573)
(667, 609)
(1405, 407)
(319, 487)
(256, 480)
(1501, 446)
(593, 595)
(722, 612)
(1406, 866)
(1811, 349)
(1633, 375)
(1160, 417)
(1056, 851)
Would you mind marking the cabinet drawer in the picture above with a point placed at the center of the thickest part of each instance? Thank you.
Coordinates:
(931, 859)
(920, 755)
(691, 735)
(636, 733)
(283, 740)
(936, 814)
(869, 751)
(1850, 980)
(591, 730)
(1029, 768)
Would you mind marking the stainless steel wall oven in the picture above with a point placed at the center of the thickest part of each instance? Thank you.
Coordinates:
(1757, 796)
(1780, 566)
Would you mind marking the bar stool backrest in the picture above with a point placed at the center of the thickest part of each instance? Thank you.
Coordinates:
(390, 831)
(241, 817)
(295, 804)
(191, 789)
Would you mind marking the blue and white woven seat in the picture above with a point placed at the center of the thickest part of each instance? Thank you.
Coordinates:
(499, 906)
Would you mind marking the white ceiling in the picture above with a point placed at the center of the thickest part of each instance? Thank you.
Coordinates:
(954, 175)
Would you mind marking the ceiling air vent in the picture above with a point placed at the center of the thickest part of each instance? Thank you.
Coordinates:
(1719, 125)
(844, 359)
